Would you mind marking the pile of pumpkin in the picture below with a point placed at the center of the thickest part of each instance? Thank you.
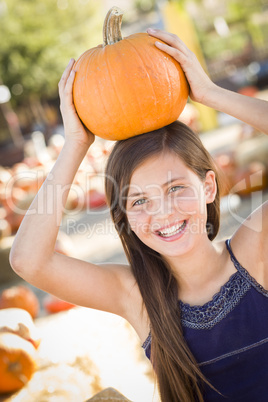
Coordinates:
(19, 338)
(244, 170)
(20, 183)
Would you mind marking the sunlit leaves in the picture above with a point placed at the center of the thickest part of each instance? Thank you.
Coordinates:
(39, 38)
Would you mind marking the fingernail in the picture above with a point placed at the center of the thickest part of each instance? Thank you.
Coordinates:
(158, 43)
(151, 30)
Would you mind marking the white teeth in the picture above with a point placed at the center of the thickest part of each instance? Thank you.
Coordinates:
(171, 231)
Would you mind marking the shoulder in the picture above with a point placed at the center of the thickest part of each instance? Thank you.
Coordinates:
(250, 244)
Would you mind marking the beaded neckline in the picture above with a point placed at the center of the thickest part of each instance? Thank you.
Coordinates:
(185, 306)
(212, 312)
(209, 314)
(222, 303)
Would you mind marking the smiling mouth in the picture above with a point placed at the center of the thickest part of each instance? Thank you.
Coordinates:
(172, 230)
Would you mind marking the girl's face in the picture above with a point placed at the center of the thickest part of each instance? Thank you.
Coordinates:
(166, 204)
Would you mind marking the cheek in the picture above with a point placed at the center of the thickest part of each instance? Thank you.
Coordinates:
(192, 202)
(139, 222)
(188, 207)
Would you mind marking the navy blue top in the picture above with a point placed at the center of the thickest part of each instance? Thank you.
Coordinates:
(229, 338)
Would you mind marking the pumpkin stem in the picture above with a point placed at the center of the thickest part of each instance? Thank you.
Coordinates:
(112, 26)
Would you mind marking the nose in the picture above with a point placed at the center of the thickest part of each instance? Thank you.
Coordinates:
(161, 206)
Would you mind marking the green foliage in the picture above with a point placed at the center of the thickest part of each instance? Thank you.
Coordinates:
(145, 5)
(39, 37)
(246, 21)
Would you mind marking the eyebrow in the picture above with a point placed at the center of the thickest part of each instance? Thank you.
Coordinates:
(132, 195)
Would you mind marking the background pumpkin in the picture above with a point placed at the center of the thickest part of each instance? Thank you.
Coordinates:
(21, 297)
(53, 304)
(17, 362)
(127, 86)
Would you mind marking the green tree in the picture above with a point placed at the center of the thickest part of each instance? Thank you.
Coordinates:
(37, 40)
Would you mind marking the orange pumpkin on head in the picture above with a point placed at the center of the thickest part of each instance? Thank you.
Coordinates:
(127, 86)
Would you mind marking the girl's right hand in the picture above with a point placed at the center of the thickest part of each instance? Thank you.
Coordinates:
(74, 129)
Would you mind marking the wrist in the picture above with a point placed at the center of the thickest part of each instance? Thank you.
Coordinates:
(214, 96)
(79, 146)
(76, 148)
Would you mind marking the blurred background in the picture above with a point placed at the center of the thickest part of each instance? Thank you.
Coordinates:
(230, 38)
(38, 39)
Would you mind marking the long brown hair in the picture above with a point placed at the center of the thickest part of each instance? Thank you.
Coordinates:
(178, 375)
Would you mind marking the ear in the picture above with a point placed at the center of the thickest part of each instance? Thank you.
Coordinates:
(210, 187)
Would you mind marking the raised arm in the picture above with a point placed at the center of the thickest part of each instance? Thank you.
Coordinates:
(32, 255)
(35, 240)
(249, 110)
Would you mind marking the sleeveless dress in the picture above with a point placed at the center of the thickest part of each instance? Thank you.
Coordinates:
(229, 338)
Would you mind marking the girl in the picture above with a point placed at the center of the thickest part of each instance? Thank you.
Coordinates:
(199, 307)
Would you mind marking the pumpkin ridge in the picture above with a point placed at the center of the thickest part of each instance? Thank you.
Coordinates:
(170, 89)
(167, 75)
(148, 75)
(94, 54)
(86, 55)
(115, 92)
(105, 110)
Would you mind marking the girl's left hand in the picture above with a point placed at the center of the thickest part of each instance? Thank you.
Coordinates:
(200, 83)
(74, 129)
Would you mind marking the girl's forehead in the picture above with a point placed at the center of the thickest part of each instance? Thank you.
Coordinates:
(163, 161)
(160, 169)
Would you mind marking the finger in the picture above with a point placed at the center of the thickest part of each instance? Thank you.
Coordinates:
(66, 74)
(69, 84)
(170, 39)
(172, 51)
(67, 94)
